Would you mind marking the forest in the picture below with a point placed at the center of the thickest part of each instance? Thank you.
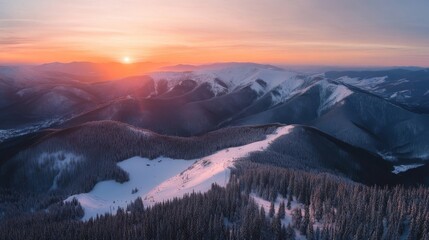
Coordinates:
(331, 207)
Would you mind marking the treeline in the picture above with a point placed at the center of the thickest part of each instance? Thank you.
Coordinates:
(331, 208)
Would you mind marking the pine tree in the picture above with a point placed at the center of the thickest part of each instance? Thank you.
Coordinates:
(297, 218)
(276, 227)
(305, 222)
(289, 202)
(262, 215)
(317, 233)
(271, 212)
(282, 211)
(310, 232)
(290, 233)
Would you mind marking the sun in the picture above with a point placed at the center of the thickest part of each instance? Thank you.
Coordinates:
(126, 60)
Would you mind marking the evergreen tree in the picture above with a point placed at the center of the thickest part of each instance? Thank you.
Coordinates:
(271, 212)
(289, 202)
(276, 227)
(282, 211)
(290, 233)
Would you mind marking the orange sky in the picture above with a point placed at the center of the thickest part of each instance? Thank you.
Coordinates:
(385, 32)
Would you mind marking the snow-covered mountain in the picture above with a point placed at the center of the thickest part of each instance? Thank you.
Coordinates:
(225, 78)
(76, 148)
(380, 111)
(408, 88)
(158, 168)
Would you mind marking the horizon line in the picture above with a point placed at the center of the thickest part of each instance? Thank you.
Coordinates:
(172, 64)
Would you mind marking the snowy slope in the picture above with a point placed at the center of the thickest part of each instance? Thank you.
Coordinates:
(107, 196)
(286, 90)
(331, 94)
(404, 88)
(209, 170)
(163, 178)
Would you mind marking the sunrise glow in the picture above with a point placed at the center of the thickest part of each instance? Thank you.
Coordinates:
(126, 60)
(191, 31)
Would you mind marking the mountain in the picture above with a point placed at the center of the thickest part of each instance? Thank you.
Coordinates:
(227, 144)
(404, 87)
(36, 105)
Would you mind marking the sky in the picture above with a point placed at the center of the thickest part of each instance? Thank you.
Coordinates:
(302, 32)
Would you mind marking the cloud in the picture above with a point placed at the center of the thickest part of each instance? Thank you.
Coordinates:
(276, 28)
(12, 40)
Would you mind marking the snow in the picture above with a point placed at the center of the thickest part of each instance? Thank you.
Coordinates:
(266, 205)
(400, 81)
(367, 83)
(404, 168)
(164, 178)
(286, 90)
(58, 161)
(405, 93)
(259, 89)
(15, 132)
(331, 94)
(288, 216)
(212, 169)
(107, 196)
(235, 76)
(242, 76)
(386, 155)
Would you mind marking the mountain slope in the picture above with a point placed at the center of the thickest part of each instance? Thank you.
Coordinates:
(355, 107)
